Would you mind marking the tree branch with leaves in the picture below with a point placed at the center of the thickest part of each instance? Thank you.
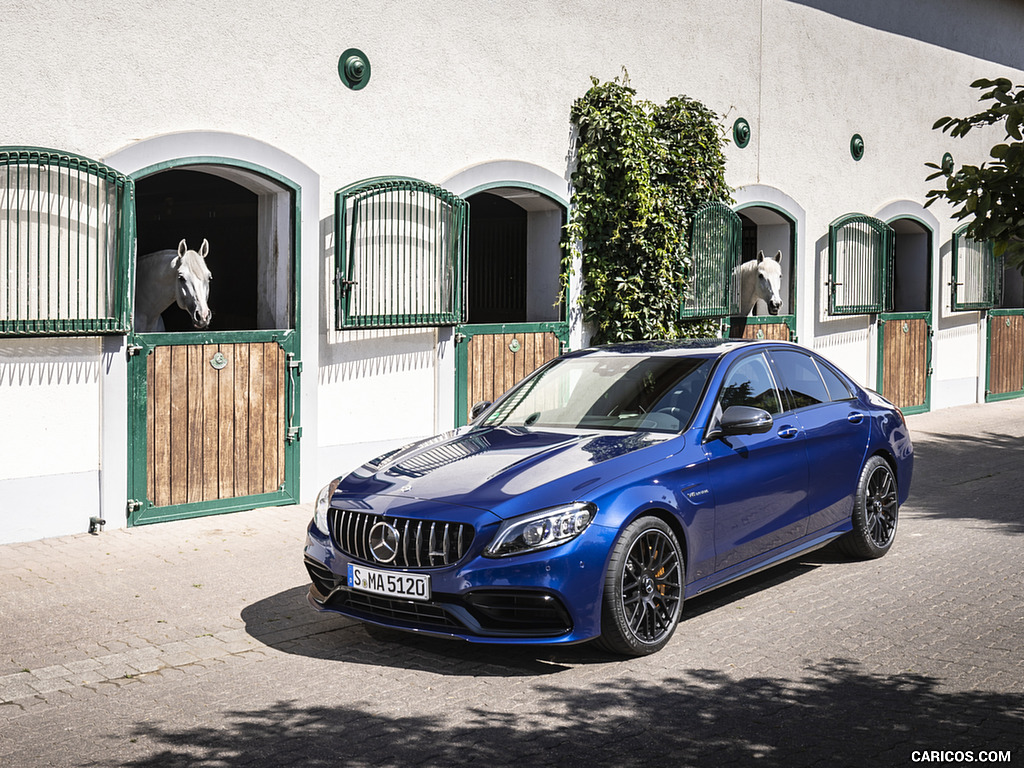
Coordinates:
(990, 196)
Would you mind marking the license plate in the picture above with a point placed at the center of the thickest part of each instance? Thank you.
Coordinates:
(411, 586)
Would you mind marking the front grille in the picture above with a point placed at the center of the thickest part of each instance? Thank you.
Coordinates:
(422, 543)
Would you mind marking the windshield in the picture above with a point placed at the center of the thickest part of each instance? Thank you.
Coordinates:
(628, 392)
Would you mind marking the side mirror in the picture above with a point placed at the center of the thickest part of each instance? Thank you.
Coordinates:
(743, 420)
(478, 408)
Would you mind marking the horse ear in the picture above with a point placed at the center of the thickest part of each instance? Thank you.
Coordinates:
(760, 256)
(182, 248)
(778, 256)
(205, 249)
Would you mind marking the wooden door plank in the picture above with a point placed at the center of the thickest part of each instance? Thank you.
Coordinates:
(272, 365)
(256, 385)
(241, 420)
(211, 422)
(196, 426)
(226, 424)
(178, 408)
(160, 408)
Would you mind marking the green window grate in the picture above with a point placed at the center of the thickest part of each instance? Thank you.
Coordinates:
(860, 250)
(976, 273)
(400, 249)
(715, 239)
(67, 237)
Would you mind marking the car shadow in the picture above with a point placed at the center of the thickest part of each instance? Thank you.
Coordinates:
(286, 623)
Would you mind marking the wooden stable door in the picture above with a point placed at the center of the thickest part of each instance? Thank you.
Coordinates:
(905, 346)
(1006, 354)
(496, 361)
(215, 421)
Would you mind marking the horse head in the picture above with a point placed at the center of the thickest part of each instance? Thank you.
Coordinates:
(769, 281)
(192, 291)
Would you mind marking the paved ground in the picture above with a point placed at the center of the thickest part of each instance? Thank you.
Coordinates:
(190, 644)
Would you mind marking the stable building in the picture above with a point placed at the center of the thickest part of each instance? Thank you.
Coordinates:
(382, 190)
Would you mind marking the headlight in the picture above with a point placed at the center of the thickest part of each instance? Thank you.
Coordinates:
(323, 503)
(540, 530)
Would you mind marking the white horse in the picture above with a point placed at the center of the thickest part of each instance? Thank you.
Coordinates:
(760, 279)
(165, 277)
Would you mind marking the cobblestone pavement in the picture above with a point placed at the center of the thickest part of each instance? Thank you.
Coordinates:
(190, 644)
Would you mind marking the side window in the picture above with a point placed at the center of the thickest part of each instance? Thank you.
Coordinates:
(800, 377)
(837, 388)
(750, 382)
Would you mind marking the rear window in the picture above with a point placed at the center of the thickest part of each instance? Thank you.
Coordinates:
(801, 378)
(838, 389)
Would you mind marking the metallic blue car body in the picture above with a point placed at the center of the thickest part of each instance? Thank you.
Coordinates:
(737, 504)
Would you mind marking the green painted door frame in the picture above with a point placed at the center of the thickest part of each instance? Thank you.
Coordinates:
(141, 509)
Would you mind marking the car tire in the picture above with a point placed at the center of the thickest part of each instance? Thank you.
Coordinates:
(875, 512)
(643, 589)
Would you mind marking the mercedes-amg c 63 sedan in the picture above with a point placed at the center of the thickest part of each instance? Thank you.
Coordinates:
(601, 491)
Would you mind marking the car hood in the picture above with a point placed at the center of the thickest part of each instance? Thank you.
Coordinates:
(504, 470)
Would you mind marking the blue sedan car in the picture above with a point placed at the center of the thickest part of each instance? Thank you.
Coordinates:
(604, 489)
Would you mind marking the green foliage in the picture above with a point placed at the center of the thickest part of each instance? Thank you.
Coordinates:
(641, 168)
(990, 196)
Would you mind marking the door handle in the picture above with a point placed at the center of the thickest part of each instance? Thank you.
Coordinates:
(855, 418)
(788, 433)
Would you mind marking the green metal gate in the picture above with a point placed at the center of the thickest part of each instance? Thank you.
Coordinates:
(67, 236)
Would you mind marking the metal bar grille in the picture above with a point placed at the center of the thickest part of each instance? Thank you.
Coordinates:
(401, 249)
(974, 280)
(715, 240)
(66, 242)
(422, 544)
(860, 251)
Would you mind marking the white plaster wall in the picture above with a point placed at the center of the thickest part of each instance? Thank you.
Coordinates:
(464, 93)
(49, 436)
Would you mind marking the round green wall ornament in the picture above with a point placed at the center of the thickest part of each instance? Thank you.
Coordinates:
(354, 69)
(857, 146)
(741, 132)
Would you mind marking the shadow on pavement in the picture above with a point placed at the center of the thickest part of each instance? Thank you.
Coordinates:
(286, 623)
(970, 477)
(834, 714)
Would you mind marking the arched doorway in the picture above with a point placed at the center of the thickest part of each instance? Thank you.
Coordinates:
(771, 231)
(905, 328)
(515, 306)
(214, 413)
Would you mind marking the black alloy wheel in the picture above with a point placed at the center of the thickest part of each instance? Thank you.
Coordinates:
(643, 589)
(875, 511)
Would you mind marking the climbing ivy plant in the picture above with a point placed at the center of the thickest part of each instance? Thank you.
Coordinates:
(641, 169)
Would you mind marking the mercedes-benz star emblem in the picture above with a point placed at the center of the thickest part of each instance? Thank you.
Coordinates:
(384, 542)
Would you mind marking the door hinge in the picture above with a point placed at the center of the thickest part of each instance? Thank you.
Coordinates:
(293, 364)
(294, 433)
(459, 337)
(134, 349)
(133, 505)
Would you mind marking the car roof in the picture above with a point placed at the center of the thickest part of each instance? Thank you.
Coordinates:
(683, 348)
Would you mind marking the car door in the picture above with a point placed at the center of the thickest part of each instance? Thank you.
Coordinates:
(759, 481)
(836, 432)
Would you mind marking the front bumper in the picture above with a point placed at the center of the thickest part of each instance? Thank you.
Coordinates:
(548, 597)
